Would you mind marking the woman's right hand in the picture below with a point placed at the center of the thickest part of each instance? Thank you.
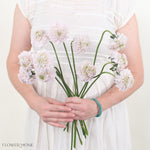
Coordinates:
(52, 111)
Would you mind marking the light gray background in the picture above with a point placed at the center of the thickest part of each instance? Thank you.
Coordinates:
(13, 106)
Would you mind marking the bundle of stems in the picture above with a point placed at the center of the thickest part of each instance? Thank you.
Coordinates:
(76, 93)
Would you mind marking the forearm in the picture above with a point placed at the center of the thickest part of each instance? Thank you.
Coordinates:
(113, 96)
(27, 91)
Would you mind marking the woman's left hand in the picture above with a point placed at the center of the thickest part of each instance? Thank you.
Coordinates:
(82, 108)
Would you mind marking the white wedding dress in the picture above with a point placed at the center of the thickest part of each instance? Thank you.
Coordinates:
(89, 17)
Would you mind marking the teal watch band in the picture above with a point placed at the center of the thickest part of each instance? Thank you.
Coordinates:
(99, 105)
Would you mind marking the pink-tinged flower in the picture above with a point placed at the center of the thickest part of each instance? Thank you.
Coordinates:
(25, 59)
(119, 59)
(124, 80)
(45, 74)
(42, 58)
(43, 63)
(39, 39)
(26, 75)
(87, 71)
(58, 33)
(80, 43)
(119, 42)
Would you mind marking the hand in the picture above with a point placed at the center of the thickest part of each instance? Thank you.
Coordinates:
(82, 108)
(53, 112)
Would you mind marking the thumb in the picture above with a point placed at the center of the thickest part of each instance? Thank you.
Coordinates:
(76, 100)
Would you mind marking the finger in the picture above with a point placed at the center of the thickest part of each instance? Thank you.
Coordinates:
(76, 100)
(59, 115)
(59, 108)
(74, 106)
(57, 124)
(52, 101)
(77, 113)
(57, 120)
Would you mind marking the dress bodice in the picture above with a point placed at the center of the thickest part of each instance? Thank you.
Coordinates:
(88, 17)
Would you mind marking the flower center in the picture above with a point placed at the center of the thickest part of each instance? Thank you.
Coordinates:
(41, 77)
(39, 35)
(59, 33)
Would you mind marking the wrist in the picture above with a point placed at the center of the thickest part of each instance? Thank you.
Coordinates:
(99, 107)
(33, 100)
(96, 108)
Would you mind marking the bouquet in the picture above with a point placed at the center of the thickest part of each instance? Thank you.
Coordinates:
(39, 65)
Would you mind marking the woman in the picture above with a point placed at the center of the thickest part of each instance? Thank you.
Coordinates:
(48, 104)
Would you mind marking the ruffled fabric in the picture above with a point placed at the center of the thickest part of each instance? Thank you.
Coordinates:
(124, 11)
(27, 8)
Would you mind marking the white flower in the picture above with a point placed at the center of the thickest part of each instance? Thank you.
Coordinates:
(124, 80)
(119, 59)
(42, 58)
(87, 71)
(58, 33)
(45, 74)
(39, 39)
(43, 64)
(25, 59)
(26, 76)
(80, 43)
(119, 42)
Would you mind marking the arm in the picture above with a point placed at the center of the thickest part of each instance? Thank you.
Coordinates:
(133, 53)
(20, 41)
(48, 109)
(113, 96)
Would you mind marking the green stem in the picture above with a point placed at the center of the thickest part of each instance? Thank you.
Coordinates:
(62, 86)
(82, 127)
(85, 127)
(72, 136)
(83, 89)
(100, 41)
(108, 73)
(62, 78)
(70, 65)
(96, 78)
(74, 66)
(64, 83)
(79, 136)
(75, 131)
(56, 56)
(67, 126)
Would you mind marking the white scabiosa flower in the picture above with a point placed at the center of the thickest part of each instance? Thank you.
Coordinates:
(86, 71)
(39, 39)
(43, 63)
(120, 60)
(26, 76)
(58, 33)
(45, 74)
(124, 80)
(80, 43)
(25, 59)
(118, 42)
(42, 58)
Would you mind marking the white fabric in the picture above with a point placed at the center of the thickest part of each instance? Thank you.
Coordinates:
(90, 17)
